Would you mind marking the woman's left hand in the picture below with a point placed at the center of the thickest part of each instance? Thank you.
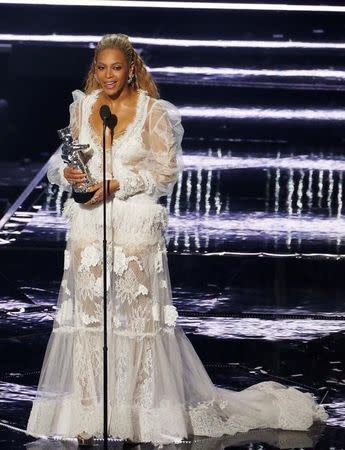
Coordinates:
(97, 188)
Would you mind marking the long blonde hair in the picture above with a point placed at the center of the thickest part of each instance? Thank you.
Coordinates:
(142, 78)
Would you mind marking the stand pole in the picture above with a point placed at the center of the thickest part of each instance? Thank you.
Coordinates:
(105, 337)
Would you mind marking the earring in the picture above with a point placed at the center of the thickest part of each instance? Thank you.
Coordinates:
(130, 78)
(95, 77)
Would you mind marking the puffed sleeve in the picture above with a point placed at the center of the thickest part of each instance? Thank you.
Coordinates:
(75, 113)
(162, 136)
(56, 164)
(55, 171)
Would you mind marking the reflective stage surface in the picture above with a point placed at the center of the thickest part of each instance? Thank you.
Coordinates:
(277, 205)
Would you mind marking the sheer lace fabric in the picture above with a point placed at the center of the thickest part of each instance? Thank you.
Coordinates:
(159, 390)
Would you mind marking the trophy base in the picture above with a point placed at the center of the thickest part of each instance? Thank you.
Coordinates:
(82, 197)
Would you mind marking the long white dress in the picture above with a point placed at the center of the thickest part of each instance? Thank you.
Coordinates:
(159, 390)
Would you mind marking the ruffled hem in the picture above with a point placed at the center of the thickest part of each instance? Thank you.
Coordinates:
(169, 423)
(175, 400)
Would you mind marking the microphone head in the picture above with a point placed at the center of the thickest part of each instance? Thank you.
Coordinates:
(112, 121)
(104, 112)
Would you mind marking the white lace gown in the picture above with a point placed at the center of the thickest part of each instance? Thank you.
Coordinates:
(159, 390)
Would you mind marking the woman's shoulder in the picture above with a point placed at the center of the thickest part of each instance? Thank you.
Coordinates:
(160, 107)
(79, 95)
(159, 102)
(160, 113)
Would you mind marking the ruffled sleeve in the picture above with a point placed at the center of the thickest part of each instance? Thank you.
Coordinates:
(56, 165)
(162, 136)
(75, 113)
(55, 171)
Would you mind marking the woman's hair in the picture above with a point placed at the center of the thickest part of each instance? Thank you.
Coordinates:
(142, 79)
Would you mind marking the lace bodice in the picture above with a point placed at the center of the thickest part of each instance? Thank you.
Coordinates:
(146, 158)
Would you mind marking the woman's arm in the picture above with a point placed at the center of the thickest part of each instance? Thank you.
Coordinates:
(98, 189)
(162, 136)
(55, 172)
(58, 173)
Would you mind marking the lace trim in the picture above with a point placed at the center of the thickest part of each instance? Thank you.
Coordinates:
(139, 113)
(133, 183)
(170, 315)
(208, 420)
(130, 185)
(150, 184)
(165, 423)
(138, 422)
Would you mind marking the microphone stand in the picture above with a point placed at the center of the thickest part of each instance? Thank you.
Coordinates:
(105, 304)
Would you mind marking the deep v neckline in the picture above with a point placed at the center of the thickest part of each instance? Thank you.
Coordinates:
(92, 133)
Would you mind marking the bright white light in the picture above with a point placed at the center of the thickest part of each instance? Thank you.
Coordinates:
(193, 161)
(87, 39)
(271, 330)
(337, 410)
(263, 113)
(182, 5)
(262, 224)
(231, 71)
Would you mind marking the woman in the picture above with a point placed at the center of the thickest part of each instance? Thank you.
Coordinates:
(159, 390)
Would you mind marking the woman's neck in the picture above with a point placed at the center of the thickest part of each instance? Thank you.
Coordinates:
(125, 96)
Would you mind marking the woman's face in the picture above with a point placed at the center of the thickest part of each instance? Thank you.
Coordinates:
(112, 70)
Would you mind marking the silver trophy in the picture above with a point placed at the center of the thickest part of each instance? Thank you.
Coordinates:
(73, 154)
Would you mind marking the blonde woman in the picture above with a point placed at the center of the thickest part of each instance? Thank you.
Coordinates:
(159, 391)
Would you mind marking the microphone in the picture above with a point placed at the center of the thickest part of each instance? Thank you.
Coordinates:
(105, 113)
(109, 119)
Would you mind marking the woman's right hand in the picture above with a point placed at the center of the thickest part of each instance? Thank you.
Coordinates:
(74, 176)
